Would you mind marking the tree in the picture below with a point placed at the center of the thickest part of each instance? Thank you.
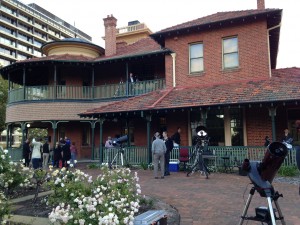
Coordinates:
(3, 101)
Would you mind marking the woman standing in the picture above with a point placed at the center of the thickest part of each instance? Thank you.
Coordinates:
(73, 150)
(36, 153)
(57, 155)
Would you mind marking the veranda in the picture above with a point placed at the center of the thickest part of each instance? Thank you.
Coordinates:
(137, 155)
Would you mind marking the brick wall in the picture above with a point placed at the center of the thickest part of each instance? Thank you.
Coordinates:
(253, 55)
(258, 125)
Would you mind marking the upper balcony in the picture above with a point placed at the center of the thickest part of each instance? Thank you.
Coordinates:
(63, 92)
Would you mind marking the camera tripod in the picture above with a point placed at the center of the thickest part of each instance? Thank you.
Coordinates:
(119, 157)
(264, 214)
(199, 163)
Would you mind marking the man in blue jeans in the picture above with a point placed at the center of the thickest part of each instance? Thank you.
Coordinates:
(158, 151)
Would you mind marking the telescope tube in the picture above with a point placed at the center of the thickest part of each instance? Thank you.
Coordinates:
(272, 160)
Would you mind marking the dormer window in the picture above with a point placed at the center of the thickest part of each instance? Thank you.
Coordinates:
(196, 58)
(230, 53)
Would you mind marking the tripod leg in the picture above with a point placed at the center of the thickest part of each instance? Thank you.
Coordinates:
(122, 159)
(205, 170)
(192, 169)
(247, 206)
(271, 210)
(115, 160)
(279, 212)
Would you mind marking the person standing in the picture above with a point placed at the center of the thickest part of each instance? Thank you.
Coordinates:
(169, 147)
(158, 151)
(46, 152)
(73, 151)
(176, 137)
(66, 153)
(287, 138)
(108, 143)
(26, 152)
(267, 141)
(57, 155)
(131, 78)
(36, 153)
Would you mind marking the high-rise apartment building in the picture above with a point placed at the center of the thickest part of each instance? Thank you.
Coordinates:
(25, 28)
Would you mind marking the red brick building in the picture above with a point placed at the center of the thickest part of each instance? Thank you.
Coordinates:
(218, 71)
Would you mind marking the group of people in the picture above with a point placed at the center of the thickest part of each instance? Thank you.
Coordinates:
(287, 139)
(161, 149)
(39, 153)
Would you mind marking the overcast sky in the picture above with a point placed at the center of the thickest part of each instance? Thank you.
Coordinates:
(160, 14)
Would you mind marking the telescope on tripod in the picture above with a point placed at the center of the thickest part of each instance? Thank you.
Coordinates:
(119, 156)
(261, 175)
(201, 141)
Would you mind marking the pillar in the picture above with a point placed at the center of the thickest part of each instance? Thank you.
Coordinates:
(93, 139)
(101, 121)
(149, 118)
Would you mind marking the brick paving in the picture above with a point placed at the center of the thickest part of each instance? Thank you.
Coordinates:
(217, 200)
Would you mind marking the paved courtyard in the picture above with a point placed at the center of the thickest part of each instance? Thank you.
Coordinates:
(217, 200)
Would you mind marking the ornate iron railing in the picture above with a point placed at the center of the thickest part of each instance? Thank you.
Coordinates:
(35, 93)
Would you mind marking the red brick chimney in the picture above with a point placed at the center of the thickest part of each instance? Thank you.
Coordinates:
(110, 24)
(260, 4)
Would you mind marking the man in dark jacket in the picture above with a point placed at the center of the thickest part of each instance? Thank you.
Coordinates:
(169, 146)
(176, 137)
(66, 153)
(26, 153)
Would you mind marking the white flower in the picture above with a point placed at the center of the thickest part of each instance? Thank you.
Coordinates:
(5, 151)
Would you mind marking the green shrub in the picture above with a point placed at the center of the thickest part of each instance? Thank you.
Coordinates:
(288, 171)
(93, 166)
(144, 165)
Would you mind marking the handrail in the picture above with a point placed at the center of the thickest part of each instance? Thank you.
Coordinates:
(107, 91)
(131, 28)
(136, 155)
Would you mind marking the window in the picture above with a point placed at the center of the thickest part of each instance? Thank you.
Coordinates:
(196, 58)
(236, 127)
(214, 125)
(230, 53)
(86, 137)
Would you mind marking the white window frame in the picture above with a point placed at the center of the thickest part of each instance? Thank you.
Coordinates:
(190, 59)
(233, 52)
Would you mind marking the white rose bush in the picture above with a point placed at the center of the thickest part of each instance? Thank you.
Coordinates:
(112, 198)
(13, 177)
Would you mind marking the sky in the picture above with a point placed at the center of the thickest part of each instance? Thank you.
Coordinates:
(87, 15)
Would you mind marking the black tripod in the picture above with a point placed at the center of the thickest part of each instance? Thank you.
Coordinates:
(199, 163)
(264, 214)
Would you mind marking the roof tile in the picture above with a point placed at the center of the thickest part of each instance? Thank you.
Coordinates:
(282, 86)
